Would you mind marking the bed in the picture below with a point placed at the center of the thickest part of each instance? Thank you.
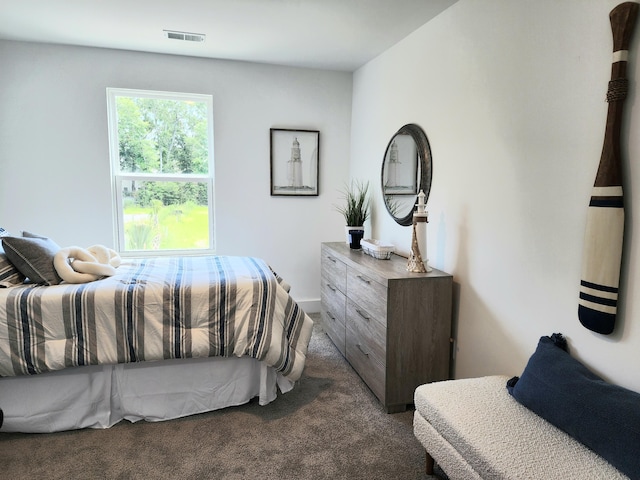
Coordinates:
(162, 338)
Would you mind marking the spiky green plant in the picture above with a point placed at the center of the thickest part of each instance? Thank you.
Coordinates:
(356, 208)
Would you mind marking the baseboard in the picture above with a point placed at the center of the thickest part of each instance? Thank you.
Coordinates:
(309, 306)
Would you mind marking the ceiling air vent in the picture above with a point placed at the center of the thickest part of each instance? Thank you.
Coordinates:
(189, 37)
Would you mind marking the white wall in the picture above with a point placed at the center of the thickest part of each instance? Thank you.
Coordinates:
(511, 96)
(54, 158)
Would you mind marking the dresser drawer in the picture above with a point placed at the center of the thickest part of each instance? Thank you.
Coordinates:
(333, 311)
(333, 271)
(366, 349)
(370, 295)
(395, 325)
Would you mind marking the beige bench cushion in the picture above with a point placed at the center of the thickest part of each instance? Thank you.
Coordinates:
(501, 439)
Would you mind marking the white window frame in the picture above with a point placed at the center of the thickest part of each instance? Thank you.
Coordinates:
(118, 177)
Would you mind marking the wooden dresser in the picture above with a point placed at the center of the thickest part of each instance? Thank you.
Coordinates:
(391, 325)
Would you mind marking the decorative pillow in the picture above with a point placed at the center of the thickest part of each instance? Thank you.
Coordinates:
(9, 274)
(32, 235)
(33, 257)
(602, 416)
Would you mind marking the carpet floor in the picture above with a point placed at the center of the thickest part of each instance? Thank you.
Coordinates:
(329, 427)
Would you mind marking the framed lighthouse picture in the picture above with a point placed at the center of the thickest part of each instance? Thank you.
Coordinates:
(294, 162)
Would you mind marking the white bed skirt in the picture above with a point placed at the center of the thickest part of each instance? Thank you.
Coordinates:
(101, 396)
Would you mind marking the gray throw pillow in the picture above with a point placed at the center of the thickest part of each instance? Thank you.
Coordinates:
(9, 274)
(33, 257)
(32, 235)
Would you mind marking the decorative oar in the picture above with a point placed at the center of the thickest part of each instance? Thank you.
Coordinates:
(602, 254)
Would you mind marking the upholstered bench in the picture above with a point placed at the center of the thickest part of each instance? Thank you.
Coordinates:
(474, 429)
(559, 420)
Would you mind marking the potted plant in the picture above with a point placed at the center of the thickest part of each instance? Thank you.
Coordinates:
(356, 207)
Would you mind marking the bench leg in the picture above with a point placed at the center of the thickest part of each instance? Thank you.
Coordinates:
(428, 463)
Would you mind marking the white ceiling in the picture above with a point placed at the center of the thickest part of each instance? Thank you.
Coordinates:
(326, 34)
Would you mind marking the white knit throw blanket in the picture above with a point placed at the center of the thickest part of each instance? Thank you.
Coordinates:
(82, 265)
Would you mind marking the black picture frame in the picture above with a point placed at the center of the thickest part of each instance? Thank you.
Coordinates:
(295, 162)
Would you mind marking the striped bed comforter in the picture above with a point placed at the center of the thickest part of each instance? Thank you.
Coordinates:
(155, 309)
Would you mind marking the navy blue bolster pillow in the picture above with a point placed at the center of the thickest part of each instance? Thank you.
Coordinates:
(602, 416)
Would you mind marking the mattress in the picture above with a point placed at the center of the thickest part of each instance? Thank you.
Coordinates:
(155, 309)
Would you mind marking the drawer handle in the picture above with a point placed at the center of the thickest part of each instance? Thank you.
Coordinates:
(365, 280)
(329, 257)
(363, 314)
(331, 317)
(363, 352)
(331, 287)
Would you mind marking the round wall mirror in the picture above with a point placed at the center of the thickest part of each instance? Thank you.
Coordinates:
(406, 169)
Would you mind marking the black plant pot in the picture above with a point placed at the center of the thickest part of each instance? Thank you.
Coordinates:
(354, 238)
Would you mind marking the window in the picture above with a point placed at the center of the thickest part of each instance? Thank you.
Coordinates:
(161, 148)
